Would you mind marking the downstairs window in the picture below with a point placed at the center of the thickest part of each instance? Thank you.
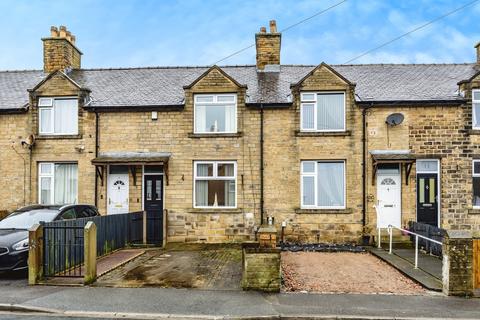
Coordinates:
(215, 184)
(57, 183)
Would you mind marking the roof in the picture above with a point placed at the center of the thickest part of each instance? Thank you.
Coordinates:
(131, 157)
(164, 86)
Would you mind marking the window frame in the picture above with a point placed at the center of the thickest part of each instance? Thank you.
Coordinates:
(315, 176)
(51, 106)
(474, 175)
(50, 175)
(215, 176)
(314, 101)
(215, 102)
(474, 117)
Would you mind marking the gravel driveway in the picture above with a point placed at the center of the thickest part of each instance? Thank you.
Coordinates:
(343, 272)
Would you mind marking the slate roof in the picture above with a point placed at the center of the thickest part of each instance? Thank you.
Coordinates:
(163, 86)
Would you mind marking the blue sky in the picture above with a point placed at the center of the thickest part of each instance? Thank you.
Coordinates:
(129, 33)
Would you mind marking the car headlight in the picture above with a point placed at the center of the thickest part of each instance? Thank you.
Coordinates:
(21, 245)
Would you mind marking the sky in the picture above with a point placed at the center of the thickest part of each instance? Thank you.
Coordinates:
(138, 33)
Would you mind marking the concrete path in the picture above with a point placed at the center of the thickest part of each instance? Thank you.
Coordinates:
(143, 303)
(405, 266)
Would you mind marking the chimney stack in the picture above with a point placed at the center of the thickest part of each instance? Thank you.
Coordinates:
(477, 46)
(59, 51)
(268, 47)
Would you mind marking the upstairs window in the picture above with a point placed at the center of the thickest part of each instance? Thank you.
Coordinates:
(215, 113)
(322, 111)
(58, 116)
(476, 109)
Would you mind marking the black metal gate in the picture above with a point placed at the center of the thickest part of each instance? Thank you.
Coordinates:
(63, 251)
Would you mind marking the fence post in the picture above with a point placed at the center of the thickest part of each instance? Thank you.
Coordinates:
(90, 252)
(390, 232)
(35, 254)
(144, 227)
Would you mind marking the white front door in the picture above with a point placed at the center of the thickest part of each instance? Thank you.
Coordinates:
(117, 201)
(389, 200)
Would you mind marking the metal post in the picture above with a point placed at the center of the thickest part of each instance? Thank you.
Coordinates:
(379, 238)
(416, 251)
(390, 231)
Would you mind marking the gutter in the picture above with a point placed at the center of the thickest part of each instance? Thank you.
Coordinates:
(279, 105)
(138, 108)
(412, 103)
(22, 109)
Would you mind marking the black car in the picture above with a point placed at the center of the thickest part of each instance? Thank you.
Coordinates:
(14, 229)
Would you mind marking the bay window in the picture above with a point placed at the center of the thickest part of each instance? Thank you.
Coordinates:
(215, 113)
(57, 183)
(324, 111)
(58, 116)
(215, 184)
(476, 183)
(323, 184)
(476, 109)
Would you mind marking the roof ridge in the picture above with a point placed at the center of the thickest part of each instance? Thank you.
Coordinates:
(163, 67)
(404, 64)
(18, 71)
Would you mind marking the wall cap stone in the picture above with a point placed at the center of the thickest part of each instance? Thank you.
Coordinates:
(459, 234)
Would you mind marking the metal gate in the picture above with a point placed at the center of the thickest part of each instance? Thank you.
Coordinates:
(154, 227)
(63, 251)
(476, 263)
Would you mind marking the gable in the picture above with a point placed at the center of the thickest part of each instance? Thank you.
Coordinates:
(323, 77)
(56, 84)
(215, 80)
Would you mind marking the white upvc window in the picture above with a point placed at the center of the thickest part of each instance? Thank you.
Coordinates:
(215, 113)
(322, 111)
(58, 116)
(215, 184)
(57, 183)
(476, 109)
(476, 183)
(323, 184)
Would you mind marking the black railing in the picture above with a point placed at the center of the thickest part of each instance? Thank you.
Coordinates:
(431, 232)
(63, 252)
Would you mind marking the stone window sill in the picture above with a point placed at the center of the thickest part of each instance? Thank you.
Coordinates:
(474, 211)
(58, 137)
(323, 134)
(214, 135)
(215, 210)
(323, 211)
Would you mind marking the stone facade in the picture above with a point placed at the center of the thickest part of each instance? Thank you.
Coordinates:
(429, 131)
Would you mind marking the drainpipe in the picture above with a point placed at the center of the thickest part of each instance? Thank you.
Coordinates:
(261, 164)
(96, 155)
(364, 165)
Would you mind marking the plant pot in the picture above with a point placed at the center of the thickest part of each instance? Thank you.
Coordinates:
(365, 240)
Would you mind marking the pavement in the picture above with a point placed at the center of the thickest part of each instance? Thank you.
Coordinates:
(28, 302)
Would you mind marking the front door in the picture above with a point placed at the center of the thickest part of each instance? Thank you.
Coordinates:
(153, 205)
(427, 198)
(117, 201)
(389, 200)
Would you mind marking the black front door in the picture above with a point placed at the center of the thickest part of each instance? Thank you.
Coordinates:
(153, 205)
(427, 198)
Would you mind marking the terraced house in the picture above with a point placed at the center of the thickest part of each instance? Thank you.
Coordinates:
(210, 152)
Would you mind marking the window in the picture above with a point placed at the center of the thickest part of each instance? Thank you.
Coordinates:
(476, 183)
(323, 111)
(476, 109)
(215, 184)
(57, 183)
(58, 116)
(215, 113)
(323, 184)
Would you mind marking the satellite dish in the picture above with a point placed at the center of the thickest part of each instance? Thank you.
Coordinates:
(394, 119)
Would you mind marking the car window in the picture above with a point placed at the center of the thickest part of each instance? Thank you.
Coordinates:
(92, 212)
(82, 212)
(68, 214)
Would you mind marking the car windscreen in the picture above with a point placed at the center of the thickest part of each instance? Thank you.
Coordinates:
(26, 219)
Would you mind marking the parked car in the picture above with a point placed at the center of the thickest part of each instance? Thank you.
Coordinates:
(14, 229)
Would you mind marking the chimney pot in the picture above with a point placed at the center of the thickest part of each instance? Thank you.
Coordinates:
(73, 39)
(69, 36)
(63, 32)
(273, 26)
(53, 32)
(477, 46)
(263, 30)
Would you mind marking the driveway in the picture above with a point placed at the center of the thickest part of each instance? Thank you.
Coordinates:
(198, 266)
